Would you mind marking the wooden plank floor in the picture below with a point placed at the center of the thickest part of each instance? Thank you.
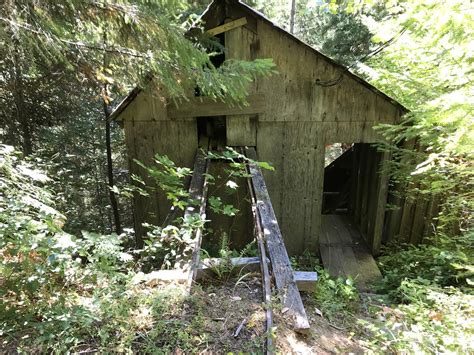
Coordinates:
(344, 252)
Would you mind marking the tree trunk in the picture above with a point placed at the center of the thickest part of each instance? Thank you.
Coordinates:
(110, 173)
(20, 105)
(292, 16)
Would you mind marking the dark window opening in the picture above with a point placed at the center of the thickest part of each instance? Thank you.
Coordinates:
(216, 59)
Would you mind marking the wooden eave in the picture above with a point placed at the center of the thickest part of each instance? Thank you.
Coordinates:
(123, 104)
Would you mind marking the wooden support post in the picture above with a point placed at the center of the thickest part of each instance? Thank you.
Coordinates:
(354, 179)
(361, 171)
(306, 280)
(367, 192)
(381, 202)
(281, 264)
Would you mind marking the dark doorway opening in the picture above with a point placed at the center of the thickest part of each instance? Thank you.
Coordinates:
(212, 132)
(338, 179)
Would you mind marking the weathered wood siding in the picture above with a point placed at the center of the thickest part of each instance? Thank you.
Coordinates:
(300, 118)
(410, 219)
(149, 131)
(369, 193)
(380, 216)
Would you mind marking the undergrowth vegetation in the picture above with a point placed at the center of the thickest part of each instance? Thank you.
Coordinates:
(337, 298)
(66, 293)
(430, 289)
(423, 304)
(63, 293)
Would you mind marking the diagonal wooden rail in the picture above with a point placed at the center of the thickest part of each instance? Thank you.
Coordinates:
(197, 192)
(266, 281)
(281, 265)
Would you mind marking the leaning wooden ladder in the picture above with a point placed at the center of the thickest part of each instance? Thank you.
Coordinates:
(269, 239)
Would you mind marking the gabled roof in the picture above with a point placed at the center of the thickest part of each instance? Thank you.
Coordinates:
(261, 16)
(256, 14)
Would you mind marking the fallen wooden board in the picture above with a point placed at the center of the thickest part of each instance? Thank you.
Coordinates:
(281, 265)
(305, 280)
(227, 26)
(204, 270)
(247, 264)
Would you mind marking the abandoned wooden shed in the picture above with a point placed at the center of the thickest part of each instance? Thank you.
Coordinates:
(291, 117)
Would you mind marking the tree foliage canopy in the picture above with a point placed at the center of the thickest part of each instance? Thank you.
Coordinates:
(429, 69)
(140, 38)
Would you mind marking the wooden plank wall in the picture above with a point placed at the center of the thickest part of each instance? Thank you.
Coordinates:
(369, 193)
(241, 129)
(371, 204)
(299, 119)
(410, 219)
(148, 131)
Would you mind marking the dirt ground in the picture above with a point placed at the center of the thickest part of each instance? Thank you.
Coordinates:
(230, 305)
(324, 337)
(238, 302)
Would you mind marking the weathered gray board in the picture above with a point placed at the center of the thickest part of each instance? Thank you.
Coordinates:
(281, 265)
(197, 192)
(305, 280)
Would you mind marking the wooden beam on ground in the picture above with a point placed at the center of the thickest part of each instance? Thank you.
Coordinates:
(280, 261)
(306, 280)
(206, 106)
(203, 271)
(227, 26)
(246, 264)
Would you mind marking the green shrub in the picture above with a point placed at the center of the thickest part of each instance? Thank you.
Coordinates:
(337, 298)
(61, 293)
(433, 300)
(442, 262)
